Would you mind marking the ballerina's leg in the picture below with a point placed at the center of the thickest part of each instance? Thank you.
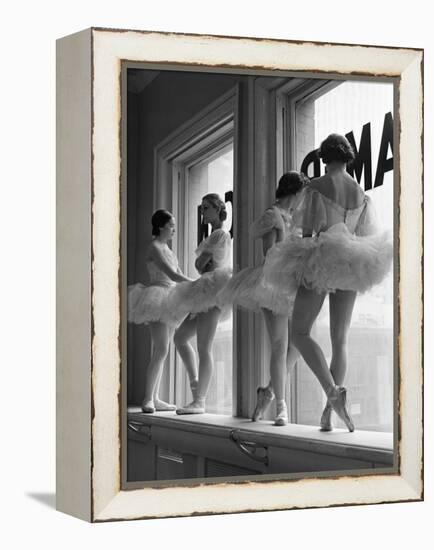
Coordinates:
(292, 354)
(277, 329)
(183, 335)
(206, 329)
(267, 395)
(160, 335)
(341, 310)
(206, 326)
(159, 404)
(308, 304)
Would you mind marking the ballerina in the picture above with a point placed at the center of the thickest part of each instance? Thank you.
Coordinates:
(248, 289)
(342, 252)
(199, 300)
(151, 304)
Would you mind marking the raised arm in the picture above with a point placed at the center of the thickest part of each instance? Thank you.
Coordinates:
(156, 255)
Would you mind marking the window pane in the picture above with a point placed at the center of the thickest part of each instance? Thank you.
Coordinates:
(213, 175)
(356, 107)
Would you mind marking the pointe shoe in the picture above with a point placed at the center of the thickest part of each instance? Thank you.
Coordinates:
(338, 400)
(264, 396)
(282, 414)
(163, 406)
(326, 419)
(148, 407)
(195, 407)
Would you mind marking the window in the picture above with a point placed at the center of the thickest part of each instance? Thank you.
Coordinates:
(198, 158)
(212, 173)
(238, 144)
(363, 111)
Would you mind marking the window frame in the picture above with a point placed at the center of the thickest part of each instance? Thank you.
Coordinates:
(199, 152)
(266, 125)
(212, 128)
(288, 99)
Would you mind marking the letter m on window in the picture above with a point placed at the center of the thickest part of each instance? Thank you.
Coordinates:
(362, 164)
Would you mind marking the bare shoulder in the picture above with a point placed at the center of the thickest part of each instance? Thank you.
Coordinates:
(153, 249)
(319, 183)
(355, 191)
(218, 235)
(343, 189)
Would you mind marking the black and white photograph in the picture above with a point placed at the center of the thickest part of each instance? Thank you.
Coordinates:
(240, 236)
(217, 266)
(259, 283)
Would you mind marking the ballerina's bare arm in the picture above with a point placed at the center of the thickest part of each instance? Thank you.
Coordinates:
(268, 228)
(203, 262)
(213, 251)
(156, 255)
(310, 214)
(268, 240)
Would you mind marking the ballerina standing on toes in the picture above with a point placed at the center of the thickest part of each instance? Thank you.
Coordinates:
(199, 299)
(342, 252)
(248, 289)
(151, 305)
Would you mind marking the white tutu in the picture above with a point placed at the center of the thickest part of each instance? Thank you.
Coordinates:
(335, 259)
(201, 295)
(152, 303)
(249, 290)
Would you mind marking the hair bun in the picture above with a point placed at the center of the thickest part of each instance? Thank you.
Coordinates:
(159, 220)
(336, 148)
(290, 184)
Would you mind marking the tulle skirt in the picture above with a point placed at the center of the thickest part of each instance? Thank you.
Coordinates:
(202, 294)
(249, 290)
(336, 259)
(152, 303)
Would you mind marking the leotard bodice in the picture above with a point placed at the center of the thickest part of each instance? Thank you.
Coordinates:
(218, 244)
(156, 275)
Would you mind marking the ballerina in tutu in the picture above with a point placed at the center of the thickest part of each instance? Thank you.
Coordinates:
(152, 305)
(199, 299)
(248, 289)
(342, 252)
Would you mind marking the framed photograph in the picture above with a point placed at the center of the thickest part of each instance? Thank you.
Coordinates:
(239, 274)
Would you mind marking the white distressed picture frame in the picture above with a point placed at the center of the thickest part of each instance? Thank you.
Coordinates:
(88, 273)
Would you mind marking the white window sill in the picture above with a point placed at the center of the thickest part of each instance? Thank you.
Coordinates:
(373, 447)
